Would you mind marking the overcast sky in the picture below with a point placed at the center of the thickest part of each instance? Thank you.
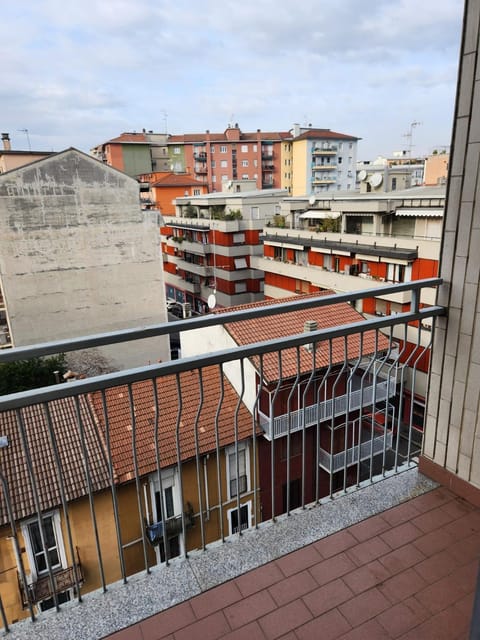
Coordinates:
(79, 73)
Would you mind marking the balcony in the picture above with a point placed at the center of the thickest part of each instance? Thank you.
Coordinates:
(318, 180)
(201, 171)
(188, 266)
(200, 157)
(324, 167)
(211, 421)
(331, 150)
(41, 589)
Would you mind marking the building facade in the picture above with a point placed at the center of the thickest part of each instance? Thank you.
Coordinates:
(208, 246)
(78, 256)
(158, 190)
(135, 153)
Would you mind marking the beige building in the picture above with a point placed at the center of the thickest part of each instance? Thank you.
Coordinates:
(78, 256)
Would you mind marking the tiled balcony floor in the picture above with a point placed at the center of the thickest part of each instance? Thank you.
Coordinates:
(408, 572)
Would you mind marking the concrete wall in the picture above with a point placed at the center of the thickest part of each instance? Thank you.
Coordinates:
(452, 437)
(78, 256)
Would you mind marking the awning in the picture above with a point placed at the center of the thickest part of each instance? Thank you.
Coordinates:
(417, 212)
(320, 215)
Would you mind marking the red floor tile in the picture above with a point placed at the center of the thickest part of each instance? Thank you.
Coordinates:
(259, 579)
(327, 597)
(292, 588)
(279, 622)
(249, 609)
(364, 606)
(332, 568)
(327, 627)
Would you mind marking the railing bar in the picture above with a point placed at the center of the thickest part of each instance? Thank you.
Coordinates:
(374, 406)
(138, 488)
(162, 501)
(111, 476)
(304, 435)
(179, 455)
(4, 617)
(18, 552)
(254, 441)
(61, 486)
(197, 462)
(235, 428)
(217, 451)
(401, 369)
(347, 410)
(320, 388)
(116, 378)
(36, 499)
(424, 350)
(272, 423)
(88, 480)
(289, 424)
(338, 377)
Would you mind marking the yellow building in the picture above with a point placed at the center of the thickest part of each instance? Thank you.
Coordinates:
(174, 482)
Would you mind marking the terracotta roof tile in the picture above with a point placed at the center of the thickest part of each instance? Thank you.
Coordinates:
(200, 138)
(170, 403)
(177, 180)
(128, 137)
(291, 323)
(13, 461)
(316, 134)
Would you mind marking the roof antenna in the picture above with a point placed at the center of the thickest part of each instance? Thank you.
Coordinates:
(25, 131)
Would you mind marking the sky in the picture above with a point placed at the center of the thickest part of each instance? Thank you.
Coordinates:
(80, 73)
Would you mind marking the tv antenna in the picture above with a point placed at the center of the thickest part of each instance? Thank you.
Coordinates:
(25, 131)
(409, 136)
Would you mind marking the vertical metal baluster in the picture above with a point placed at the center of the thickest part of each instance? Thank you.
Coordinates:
(414, 375)
(272, 441)
(163, 506)
(4, 617)
(61, 486)
(349, 390)
(254, 441)
(197, 458)
(364, 377)
(235, 428)
(347, 410)
(111, 475)
(400, 395)
(304, 402)
(18, 551)
(332, 422)
(217, 453)
(320, 418)
(289, 424)
(36, 499)
(141, 513)
(88, 481)
(179, 453)
(387, 400)
(374, 403)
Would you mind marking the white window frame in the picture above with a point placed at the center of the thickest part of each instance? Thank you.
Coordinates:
(230, 451)
(248, 505)
(244, 163)
(244, 176)
(169, 480)
(223, 149)
(223, 164)
(57, 530)
(176, 151)
(244, 148)
(238, 238)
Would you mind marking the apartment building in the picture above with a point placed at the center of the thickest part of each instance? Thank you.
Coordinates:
(207, 247)
(350, 242)
(321, 161)
(78, 255)
(135, 153)
(14, 158)
(158, 190)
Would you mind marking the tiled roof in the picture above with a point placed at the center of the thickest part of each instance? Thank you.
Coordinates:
(291, 323)
(189, 403)
(177, 180)
(128, 137)
(274, 136)
(13, 461)
(324, 134)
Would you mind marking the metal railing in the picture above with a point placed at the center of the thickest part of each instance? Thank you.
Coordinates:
(118, 450)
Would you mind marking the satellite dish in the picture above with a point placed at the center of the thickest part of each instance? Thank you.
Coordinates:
(211, 301)
(312, 199)
(362, 175)
(376, 180)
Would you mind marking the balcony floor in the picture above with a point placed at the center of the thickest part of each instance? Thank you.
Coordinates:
(397, 559)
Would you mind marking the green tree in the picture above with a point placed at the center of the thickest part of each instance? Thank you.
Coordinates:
(22, 375)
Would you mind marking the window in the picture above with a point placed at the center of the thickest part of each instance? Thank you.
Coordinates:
(212, 148)
(394, 184)
(224, 164)
(339, 160)
(255, 213)
(240, 287)
(238, 238)
(214, 178)
(213, 164)
(350, 145)
(37, 551)
(196, 192)
(244, 176)
(340, 145)
(244, 163)
(254, 147)
(350, 159)
(255, 163)
(176, 150)
(232, 469)
(171, 505)
(244, 148)
(224, 178)
(223, 149)
(239, 519)
(240, 263)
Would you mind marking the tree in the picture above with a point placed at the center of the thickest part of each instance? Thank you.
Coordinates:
(30, 374)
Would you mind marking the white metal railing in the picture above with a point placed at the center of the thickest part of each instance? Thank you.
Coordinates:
(354, 455)
(310, 415)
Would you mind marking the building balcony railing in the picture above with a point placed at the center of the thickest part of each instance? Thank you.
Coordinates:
(200, 157)
(314, 414)
(104, 454)
(41, 589)
(191, 267)
(324, 167)
(201, 170)
(325, 151)
(317, 180)
(370, 446)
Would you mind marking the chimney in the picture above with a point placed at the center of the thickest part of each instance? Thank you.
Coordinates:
(309, 326)
(6, 142)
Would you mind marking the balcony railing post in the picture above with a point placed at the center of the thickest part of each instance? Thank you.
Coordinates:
(217, 452)
(197, 463)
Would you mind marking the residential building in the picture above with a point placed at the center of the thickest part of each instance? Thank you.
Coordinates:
(13, 158)
(77, 531)
(436, 168)
(352, 241)
(322, 161)
(78, 255)
(208, 245)
(135, 153)
(158, 190)
(215, 158)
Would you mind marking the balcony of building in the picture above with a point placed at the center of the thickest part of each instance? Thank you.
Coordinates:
(330, 150)
(184, 263)
(372, 380)
(323, 180)
(200, 157)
